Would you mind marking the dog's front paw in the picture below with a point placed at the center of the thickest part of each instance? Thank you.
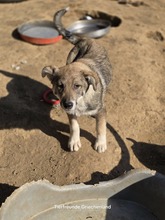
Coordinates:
(100, 145)
(74, 145)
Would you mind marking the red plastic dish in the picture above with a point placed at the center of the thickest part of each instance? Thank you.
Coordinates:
(39, 32)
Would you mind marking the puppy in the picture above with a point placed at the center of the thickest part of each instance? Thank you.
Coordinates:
(81, 84)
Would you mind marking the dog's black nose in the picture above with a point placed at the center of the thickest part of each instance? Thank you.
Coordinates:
(67, 104)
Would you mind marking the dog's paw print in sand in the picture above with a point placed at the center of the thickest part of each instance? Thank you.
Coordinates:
(155, 35)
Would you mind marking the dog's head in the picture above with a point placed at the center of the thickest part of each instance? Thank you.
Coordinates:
(71, 83)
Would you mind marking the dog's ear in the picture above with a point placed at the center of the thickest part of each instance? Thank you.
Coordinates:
(50, 72)
(80, 49)
(91, 80)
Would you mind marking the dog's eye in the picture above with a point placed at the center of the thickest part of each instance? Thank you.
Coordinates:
(77, 86)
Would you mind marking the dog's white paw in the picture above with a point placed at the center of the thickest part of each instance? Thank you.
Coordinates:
(100, 145)
(74, 145)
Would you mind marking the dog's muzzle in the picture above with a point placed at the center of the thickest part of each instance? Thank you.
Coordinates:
(68, 105)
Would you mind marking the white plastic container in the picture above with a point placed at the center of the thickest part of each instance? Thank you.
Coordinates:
(139, 194)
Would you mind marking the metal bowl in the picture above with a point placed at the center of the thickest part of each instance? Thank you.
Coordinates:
(94, 28)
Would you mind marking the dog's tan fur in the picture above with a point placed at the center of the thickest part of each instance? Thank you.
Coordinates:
(81, 84)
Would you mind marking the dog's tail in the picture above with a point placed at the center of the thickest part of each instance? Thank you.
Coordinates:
(59, 26)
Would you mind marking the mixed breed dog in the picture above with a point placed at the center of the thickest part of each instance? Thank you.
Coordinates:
(81, 84)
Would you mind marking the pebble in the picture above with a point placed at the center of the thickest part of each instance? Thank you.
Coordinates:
(17, 66)
(23, 61)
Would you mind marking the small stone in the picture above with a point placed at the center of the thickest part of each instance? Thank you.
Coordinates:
(15, 67)
(23, 61)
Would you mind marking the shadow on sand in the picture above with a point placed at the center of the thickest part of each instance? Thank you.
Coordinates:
(150, 155)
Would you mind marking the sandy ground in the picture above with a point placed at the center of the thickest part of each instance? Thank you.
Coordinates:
(33, 135)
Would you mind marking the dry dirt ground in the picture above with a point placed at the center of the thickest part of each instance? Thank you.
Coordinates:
(33, 135)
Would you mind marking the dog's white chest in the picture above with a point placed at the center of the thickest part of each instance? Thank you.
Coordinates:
(85, 104)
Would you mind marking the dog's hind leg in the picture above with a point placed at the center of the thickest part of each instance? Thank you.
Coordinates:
(74, 141)
(101, 143)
